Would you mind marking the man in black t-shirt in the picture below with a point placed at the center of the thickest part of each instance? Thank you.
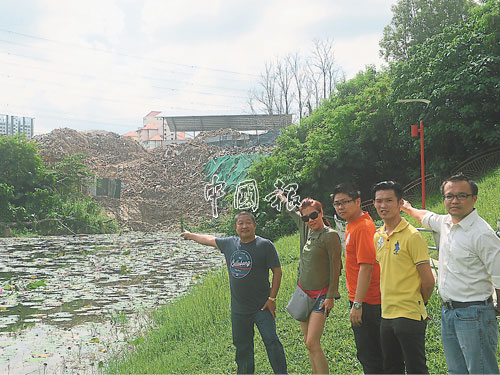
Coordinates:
(253, 300)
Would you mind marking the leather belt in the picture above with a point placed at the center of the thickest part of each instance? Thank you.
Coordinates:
(461, 305)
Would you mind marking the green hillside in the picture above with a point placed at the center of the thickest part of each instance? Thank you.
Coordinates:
(487, 205)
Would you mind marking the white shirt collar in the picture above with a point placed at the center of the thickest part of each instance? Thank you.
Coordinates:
(467, 222)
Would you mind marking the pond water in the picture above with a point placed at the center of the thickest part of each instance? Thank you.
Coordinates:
(67, 302)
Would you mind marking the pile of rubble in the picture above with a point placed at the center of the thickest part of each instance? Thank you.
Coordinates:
(159, 187)
(100, 146)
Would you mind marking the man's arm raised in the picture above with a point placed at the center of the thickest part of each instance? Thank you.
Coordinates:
(417, 214)
(204, 239)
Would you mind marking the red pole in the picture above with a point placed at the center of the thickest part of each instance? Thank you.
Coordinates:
(422, 164)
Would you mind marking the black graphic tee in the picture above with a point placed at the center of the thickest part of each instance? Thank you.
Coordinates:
(248, 267)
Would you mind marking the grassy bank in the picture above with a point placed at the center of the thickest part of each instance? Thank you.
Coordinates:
(193, 335)
(487, 205)
(488, 201)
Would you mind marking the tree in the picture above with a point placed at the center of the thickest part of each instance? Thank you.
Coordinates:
(350, 137)
(70, 173)
(414, 21)
(458, 70)
(284, 82)
(21, 167)
(7, 210)
(266, 96)
(323, 60)
(299, 79)
(31, 194)
(293, 83)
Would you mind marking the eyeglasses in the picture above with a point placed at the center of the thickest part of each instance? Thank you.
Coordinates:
(341, 203)
(459, 196)
(313, 216)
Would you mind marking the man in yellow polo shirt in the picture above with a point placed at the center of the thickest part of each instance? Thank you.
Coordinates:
(406, 284)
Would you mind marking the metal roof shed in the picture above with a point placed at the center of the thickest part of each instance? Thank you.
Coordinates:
(236, 122)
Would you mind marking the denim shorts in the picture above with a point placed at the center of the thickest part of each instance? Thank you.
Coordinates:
(318, 303)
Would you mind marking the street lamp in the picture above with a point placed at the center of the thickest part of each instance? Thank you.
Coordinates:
(415, 131)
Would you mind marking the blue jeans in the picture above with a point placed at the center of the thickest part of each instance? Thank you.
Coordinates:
(243, 333)
(403, 345)
(367, 338)
(470, 338)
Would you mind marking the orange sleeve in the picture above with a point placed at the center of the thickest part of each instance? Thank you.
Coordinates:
(365, 245)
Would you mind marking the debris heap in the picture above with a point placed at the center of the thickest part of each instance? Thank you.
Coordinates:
(158, 186)
(101, 147)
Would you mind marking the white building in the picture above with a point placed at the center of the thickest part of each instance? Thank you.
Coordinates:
(11, 125)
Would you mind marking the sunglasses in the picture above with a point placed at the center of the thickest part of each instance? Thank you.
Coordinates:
(313, 216)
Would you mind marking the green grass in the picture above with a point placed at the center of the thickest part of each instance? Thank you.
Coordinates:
(193, 333)
(487, 205)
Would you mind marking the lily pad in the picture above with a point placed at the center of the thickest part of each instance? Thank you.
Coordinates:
(85, 278)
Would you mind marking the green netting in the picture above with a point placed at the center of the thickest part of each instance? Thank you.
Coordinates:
(231, 169)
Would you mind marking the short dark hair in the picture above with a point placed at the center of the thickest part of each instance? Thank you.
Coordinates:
(461, 177)
(347, 189)
(388, 185)
(244, 213)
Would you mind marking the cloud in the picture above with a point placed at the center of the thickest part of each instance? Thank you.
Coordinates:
(92, 22)
(106, 63)
(353, 54)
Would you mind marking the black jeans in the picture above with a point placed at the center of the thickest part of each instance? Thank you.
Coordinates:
(403, 345)
(367, 338)
(243, 332)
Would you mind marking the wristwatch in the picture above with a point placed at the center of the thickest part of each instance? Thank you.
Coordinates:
(272, 299)
(356, 305)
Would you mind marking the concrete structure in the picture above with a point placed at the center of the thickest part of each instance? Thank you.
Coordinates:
(180, 124)
(154, 133)
(160, 128)
(147, 132)
(132, 135)
(11, 125)
(156, 141)
(152, 119)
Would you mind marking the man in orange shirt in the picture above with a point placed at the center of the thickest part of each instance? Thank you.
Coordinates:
(362, 277)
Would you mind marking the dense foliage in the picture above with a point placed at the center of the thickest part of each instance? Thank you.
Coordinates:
(363, 136)
(45, 200)
(458, 70)
(414, 21)
(351, 137)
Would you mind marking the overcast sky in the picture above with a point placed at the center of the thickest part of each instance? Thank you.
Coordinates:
(105, 64)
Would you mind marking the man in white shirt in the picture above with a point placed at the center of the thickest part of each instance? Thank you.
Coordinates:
(469, 270)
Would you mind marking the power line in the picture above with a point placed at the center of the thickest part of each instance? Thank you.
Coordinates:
(44, 65)
(65, 86)
(89, 76)
(191, 66)
(43, 114)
